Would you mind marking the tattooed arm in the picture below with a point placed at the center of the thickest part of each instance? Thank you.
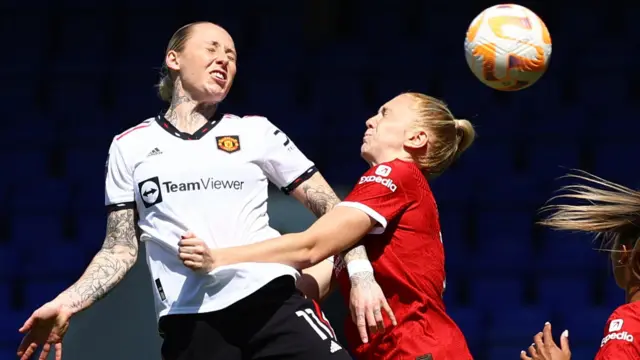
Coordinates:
(117, 255)
(317, 196)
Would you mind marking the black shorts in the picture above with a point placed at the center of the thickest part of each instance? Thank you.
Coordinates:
(275, 322)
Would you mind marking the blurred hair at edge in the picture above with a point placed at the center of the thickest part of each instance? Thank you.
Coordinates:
(609, 211)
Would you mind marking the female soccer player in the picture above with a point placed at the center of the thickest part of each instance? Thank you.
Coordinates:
(612, 213)
(413, 137)
(193, 168)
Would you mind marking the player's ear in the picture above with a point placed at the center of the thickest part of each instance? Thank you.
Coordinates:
(416, 139)
(172, 60)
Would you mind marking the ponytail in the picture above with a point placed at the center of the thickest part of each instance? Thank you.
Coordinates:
(606, 209)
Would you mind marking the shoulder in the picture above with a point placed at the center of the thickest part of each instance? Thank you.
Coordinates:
(132, 134)
(397, 169)
(627, 315)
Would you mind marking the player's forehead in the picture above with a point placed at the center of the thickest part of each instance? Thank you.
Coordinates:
(204, 34)
(401, 105)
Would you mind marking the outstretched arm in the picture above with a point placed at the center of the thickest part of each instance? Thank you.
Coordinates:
(317, 196)
(337, 230)
(117, 255)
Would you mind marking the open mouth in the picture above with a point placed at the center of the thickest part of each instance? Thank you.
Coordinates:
(220, 76)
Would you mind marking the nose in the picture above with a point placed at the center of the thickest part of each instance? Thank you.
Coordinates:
(370, 122)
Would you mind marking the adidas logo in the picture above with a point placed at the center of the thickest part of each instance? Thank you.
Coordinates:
(334, 347)
(155, 151)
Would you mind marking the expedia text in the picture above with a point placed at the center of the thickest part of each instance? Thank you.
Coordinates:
(380, 180)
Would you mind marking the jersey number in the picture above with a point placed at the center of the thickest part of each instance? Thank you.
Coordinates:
(322, 328)
(286, 141)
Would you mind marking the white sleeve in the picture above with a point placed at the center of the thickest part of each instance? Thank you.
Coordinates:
(283, 163)
(119, 191)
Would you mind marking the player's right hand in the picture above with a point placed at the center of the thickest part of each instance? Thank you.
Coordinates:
(366, 302)
(44, 328)
(544, 348)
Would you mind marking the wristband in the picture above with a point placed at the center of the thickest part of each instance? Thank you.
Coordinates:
(359, 266)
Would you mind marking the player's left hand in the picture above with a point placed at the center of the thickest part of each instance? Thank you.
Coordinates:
(544, 348)
(194, 253)
(366, 304)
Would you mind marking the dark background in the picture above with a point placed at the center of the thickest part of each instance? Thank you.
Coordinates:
(75, 73)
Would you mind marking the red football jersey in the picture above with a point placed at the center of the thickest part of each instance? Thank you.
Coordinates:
(407, 255)
(621, 334)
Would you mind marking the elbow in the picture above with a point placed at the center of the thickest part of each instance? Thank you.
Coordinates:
(310, 253)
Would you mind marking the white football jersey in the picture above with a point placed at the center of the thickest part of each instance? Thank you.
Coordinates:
(213, 183)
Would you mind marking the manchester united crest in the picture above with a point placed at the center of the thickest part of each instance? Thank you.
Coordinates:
(229, 143)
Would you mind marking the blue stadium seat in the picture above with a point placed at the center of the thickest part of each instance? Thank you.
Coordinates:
(5, 299)
(25, 166)
(25, 25)
(83, 165)
(271, 107)
(563, 250)
(279, 32)
(140, 49)
(90, 232)
(8, 262)
(580, 351)
(609, 167)
(11, 322)
(40, 195)
(91, 32)
(46, 264)
(565, 293)
(517, 324)
(551, 159)
(453, 189)
(84, 88)
(88, 198)
(23, 93)
(28, 231)
(38, 292)
(507, 351)
(503, 241)
(501, 161)
(496, 293)
(613, 295)
(587, 327)
(23, 135)
(471, 322)
(567, 124)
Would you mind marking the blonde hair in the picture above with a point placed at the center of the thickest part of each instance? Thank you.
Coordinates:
(605, 209)
(176, 43)
(449, 137)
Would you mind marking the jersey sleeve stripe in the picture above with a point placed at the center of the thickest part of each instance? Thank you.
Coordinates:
(121, 206)
(369, 211)
(141, 126)
(299, 180)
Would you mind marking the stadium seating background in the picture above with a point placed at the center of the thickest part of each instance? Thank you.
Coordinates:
(75, 73)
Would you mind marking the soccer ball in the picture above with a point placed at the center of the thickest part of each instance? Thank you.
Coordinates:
(508, 47)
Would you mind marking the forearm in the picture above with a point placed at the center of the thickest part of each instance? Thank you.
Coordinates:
(104, 272)
(117, 255)
(338, 230)
(358, 265)
(317, 282)
(289, 249)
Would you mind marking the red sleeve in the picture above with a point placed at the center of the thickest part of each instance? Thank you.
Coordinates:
(622, 331)
(383, 192)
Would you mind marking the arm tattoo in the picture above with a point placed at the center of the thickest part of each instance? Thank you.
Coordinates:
(319, 199)
(357, 253)
(117, 255)
(362, 279)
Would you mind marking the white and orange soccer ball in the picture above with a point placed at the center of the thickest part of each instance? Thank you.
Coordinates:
(508, 47)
